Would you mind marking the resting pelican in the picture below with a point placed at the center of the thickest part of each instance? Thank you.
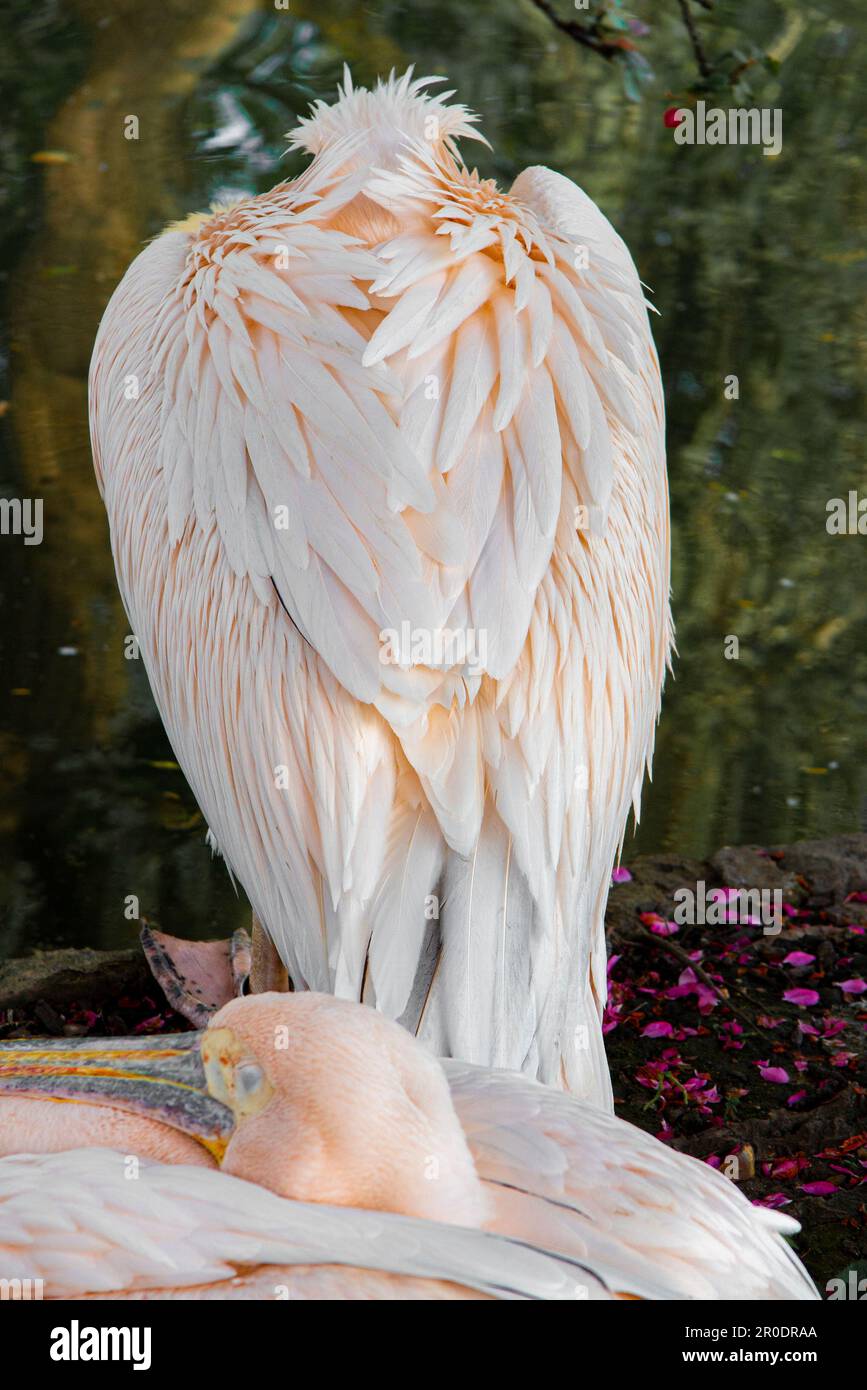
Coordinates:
(385, 1167)
(382, 454)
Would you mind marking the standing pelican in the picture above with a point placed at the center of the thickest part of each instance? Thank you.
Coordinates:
(385, 1167)
(382, 454)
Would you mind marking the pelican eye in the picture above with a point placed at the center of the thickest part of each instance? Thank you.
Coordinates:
(249, 1078)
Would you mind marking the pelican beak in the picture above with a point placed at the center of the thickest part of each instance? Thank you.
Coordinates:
(161, 1077)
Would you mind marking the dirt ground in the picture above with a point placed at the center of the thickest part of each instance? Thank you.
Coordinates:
(745, 1045)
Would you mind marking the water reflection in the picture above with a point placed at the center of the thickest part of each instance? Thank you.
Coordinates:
(755, 263)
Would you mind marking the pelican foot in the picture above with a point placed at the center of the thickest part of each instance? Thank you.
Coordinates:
(198, 977)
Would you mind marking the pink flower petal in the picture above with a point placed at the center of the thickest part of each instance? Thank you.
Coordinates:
(818, 1189)
(804, 998)
(658, 1030)
(621, 875)
(784, 1167)
(775, 1200)
(842, 1059)
(833, 1026)
(853, 986)
(778, 1075)
(798, 958)
(795, 1097)
(149, 1025)
(610, 1019)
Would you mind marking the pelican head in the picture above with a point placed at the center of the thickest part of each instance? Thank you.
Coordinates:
(332, 1102)
(316, 1098)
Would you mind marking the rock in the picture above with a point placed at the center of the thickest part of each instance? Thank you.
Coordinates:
(49, 1018)
(655, 880)
(745, 866)
(833, 867)
(85, 976)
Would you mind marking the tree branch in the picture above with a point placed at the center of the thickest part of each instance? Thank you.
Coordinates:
(581, 33)
(589, 34)
(700, 55)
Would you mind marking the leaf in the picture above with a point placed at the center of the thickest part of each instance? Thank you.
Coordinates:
(51, 157)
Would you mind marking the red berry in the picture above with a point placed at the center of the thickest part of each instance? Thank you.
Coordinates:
(672, 116)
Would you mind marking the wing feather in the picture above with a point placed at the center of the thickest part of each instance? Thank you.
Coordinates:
(660, 1223)
(74, 1220)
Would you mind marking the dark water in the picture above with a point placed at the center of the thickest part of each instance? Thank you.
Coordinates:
(758, 266)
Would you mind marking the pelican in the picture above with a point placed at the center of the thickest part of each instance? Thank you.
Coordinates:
(337, 1158)
(382, 452)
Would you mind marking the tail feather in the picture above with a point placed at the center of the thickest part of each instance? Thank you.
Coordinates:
(584, 1064)
(481, 1005)
(405, 905)
(462, 953)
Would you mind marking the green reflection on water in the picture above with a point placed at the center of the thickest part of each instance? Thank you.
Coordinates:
(757, 265)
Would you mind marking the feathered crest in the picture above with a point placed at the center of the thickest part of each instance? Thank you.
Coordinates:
(398, 107)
